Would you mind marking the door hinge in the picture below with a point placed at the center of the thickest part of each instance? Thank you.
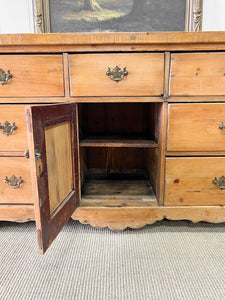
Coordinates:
(37, 154)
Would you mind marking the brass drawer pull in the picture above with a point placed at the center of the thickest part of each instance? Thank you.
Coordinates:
(117, 74)
(219, 182)
(13, 181)
(4, 77)
(222, 127)
(7, 128)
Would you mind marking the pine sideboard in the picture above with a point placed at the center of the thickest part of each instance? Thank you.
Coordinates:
(112, 129)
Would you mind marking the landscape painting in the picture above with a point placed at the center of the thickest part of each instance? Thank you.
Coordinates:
(117, 15)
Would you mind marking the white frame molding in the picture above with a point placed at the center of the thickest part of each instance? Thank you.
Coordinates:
(41, 15)
(194, 12)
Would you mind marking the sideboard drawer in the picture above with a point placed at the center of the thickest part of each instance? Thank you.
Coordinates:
(197, 74)
(33, 75)
(196, 127)
(190, 181)
(21, 192)
(144, 78)
(13, 128)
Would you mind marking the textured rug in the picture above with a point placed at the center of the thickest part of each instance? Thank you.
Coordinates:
(168, 260)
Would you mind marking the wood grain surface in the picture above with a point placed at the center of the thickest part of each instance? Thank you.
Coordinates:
(189, 181)
(200, 74)
(33, 76)
(18, 166)
(163, 76)
(195, 127)
(88, 74)
(118, 38)
(117, 142)
(50, 223)
(118, 191)
(17, 213)
(136, 217)
(17, 141)
(59, 162)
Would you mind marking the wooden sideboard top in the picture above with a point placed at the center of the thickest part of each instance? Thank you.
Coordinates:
(137, 41)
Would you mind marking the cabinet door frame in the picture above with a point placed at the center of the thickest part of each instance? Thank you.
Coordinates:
(49, 223)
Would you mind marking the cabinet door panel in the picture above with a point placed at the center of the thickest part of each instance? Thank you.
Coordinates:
(53, 145)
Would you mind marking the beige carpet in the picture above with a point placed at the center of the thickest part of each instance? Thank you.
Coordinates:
(168, 260)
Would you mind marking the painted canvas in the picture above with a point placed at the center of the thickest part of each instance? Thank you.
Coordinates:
(117, 15)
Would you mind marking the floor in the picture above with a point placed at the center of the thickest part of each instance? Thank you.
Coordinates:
(167, 260)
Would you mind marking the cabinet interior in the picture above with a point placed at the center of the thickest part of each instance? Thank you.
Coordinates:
(119, 153)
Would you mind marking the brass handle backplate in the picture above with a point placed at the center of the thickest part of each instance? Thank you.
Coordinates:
(4, 77)
(117, 74)
(222, 127)
(219, 182)
(7, 128)
(13, 181)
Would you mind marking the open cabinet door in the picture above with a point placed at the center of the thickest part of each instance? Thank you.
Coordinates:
(53, 152)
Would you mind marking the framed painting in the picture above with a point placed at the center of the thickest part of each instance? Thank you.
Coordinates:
(117, 15)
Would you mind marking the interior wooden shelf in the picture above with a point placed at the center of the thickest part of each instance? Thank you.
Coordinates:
(118, 142)
(117, 190)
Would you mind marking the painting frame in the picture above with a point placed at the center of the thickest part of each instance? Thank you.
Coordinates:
(41, 16)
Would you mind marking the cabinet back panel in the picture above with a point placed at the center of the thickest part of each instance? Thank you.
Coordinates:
(117, 119)
(116, 158)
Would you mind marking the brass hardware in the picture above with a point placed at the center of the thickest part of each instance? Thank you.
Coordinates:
(26, 154)
(13, 181)
(222, 127)
(37, 154)
(117, 74)
(7, 128)
(4, 77)
(219, 182)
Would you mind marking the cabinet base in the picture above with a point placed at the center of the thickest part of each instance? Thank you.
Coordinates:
(120, 218)
(17, 213)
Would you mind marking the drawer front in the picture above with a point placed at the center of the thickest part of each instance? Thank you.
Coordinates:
(33, 75)
(197, 74)
(196, 127)
(17, 166)
(13, 137)
(189, 181)
(144, 78)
